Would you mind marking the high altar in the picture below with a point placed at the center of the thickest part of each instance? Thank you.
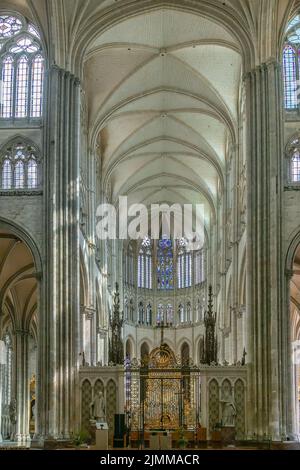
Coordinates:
(162, 392)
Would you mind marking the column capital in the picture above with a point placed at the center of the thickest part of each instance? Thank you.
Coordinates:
(88, 311)
(267, 65)
(21, 332)
(64, 73)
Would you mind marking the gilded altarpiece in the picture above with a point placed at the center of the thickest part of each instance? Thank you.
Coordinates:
(163, 393)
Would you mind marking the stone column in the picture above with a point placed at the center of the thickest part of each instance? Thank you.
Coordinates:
(234, 335)
(89, 335)
(267, 323)
(2, 372)
(235, 251)
(86, 334)
(291, 390)
(59, 322)
(22, 385)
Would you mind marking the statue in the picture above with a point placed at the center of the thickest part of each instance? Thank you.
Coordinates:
(244, 357)
(229, 414)
(82, 359)
(13, 417)
(97, 408)
(116, 349)
(210, 355)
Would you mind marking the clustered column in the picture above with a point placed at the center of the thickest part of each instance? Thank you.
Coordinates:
(267, 322)
(59, 323)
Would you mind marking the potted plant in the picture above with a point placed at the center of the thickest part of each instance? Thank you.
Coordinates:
(182, 442)
(82, 438)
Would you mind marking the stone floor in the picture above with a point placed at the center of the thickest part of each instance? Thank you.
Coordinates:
(7, 445)
(14, 445)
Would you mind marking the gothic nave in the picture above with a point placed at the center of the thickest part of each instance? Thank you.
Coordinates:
(159, 340)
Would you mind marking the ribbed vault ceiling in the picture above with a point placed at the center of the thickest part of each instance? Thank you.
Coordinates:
(18, 284)
(162, 91)
(295, 296)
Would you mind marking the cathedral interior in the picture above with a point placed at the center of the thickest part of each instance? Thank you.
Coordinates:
(179, 102)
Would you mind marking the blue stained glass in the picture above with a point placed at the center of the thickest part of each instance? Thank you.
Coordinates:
(165, 264)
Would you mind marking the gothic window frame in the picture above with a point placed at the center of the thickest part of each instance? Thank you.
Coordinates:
(169, 313)
(129, 266)
(131, 310)
(291, 65)
(199, 267)
(18, 155)
(160, 313)
(145, 258)
(126, 309)
(292, 152)
(189, 312)
(149, 314)
(184, 261)
(181, 314)
(165, 264)
(22, 93)
(141, 313)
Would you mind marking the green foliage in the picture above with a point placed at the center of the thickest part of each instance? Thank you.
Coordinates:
(82, 437)
(182, 442)
(218, 427)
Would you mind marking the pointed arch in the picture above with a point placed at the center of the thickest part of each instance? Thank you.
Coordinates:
(21, 68)
(20, 165)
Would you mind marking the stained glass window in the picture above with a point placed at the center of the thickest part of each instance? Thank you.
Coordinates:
(165, 275)
(19, 175)
(22, 88)
(290, 84)
(295, 167)
(293, 161)
(9, 26)
(25, 44)
(180, 271)
(141, 269)
(7, 175)
(22, 77)
(19, 167)
(129, 267)
(188, 270)
(199, 267)
(184, 265)
(145, 265)
(32, 174)
(6, 100)
(291, 64)
(37, 86)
